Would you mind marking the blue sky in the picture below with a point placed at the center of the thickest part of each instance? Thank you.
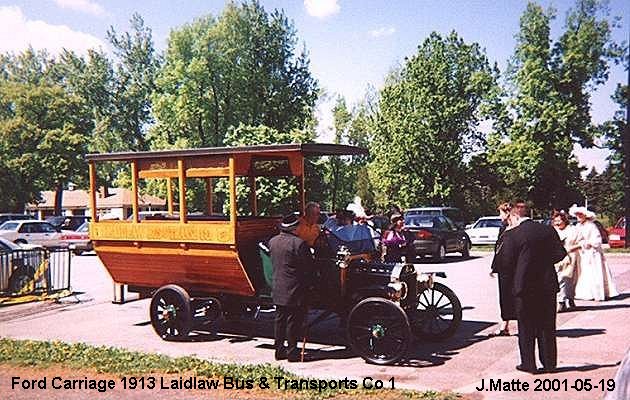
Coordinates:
(352, 44)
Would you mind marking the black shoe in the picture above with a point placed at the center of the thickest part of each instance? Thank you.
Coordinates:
(281, 354)
(546, 370)
(571, 303)
(531, 370)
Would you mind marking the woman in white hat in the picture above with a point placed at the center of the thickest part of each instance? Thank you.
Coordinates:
(594, 278)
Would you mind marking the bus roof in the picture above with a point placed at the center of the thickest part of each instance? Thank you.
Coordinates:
(307, 149)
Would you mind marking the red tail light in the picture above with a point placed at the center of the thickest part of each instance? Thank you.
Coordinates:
(423, 234)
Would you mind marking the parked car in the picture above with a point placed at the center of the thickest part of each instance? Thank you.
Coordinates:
(484, 231)
(14, 217)
(78, 241)
(67, 222)
(31, 232)
(617, 234)
(436, 236)
(452, 213)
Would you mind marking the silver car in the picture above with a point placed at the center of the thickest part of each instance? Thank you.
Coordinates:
(31, 232)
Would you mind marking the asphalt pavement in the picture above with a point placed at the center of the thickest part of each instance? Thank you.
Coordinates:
(591, 340)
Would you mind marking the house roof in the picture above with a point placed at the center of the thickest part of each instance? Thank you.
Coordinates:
(118, 197)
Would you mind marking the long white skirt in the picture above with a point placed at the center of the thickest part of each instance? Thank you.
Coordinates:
(594, 281)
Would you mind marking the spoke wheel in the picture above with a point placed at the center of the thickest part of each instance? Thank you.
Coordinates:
(170, 312)
(438, 314)
(378, 330)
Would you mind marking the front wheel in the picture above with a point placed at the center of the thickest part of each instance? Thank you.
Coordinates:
(438, 314)
(378, 330)
(170, 313)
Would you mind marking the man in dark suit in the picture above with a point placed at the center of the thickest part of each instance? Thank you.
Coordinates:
(532, 249)
(292, 267)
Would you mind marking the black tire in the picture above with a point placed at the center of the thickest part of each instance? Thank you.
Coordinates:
(466, 250)
(77, 252)
(438, 314)
(170, 313)
(378, 330)
(440, 254)
(20, 241)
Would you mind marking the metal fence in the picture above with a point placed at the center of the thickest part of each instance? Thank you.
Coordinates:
(35, 271)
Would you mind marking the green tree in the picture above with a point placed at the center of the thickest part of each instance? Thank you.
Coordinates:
(274, 195)
(428, 122)
(136, 72)
(43, 135)
(242, 67)
(549, 104)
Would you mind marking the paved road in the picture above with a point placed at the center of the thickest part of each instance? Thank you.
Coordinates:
(591, 341)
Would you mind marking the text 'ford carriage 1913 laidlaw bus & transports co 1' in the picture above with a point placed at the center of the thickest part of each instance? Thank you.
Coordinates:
(200, 266)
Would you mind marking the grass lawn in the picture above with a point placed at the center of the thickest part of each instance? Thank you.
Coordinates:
(103, 361)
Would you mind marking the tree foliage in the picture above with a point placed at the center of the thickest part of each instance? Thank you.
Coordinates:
(43, 138)
(239, 68)
(428, 120)
(549, 108)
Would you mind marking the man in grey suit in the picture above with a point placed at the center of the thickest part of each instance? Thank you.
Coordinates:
(292, 262)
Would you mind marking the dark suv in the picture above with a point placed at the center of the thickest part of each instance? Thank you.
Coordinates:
(67, 222)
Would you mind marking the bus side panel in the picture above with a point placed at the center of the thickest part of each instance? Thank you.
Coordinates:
(196, 267)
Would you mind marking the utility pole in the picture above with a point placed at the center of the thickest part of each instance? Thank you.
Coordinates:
(626, 156)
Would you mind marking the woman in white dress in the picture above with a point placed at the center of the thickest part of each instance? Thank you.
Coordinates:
(594, 280)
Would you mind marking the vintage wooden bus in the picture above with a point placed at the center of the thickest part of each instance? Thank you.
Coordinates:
(199, 265)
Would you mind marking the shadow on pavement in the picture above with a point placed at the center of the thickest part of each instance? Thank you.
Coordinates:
(579, 332)
(600, 307)
(584, 368)
(329, 336)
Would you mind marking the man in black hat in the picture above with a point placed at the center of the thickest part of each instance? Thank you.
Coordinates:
(292, 266)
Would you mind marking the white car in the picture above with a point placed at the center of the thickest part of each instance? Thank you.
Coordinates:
(31, 232)
(484, 231)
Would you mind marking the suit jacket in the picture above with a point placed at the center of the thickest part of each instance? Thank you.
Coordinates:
(292, 267)
(532, 249)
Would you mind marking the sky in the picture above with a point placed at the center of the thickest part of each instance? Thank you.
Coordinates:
(352, 44)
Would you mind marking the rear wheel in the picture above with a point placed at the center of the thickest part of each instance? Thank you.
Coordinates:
(170, 312)
(438, 313)
(440, 254)
(20, 241)
(378, 330)
(466, 249)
